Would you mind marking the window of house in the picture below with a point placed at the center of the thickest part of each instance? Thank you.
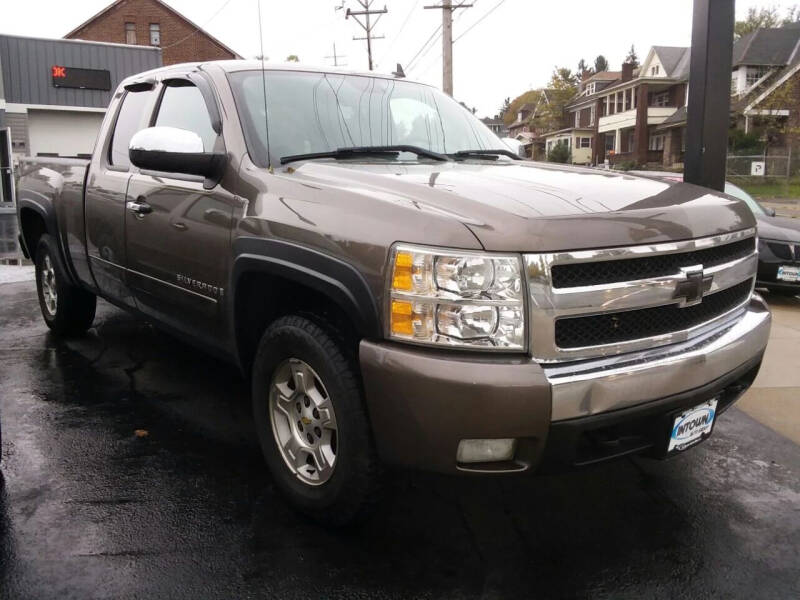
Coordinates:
(155, 34)
(656, 142)
(133, 116)
(130, 33)
(183, 107)
(592, 114)
(655, 70)
(590, 87)
(754, 74)
(661, 99)
(577, 118)
(584, 142)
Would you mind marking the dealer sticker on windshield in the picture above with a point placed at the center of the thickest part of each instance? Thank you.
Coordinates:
(692, 426)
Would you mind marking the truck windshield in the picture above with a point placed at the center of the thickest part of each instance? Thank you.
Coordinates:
(312, 112)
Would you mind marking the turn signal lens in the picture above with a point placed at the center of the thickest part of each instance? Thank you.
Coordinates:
(457, 298)
(401, 277)
(402, 318)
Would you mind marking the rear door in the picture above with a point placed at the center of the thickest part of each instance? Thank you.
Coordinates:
(106, 189)
(178, 252)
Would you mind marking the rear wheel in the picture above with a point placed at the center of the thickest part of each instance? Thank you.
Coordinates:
(67, 309)
(311, 422)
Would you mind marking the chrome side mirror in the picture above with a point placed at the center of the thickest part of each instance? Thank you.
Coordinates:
(173, 150)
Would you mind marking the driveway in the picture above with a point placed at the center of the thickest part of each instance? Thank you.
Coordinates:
(132, 471)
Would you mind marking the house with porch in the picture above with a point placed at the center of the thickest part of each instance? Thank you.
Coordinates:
(580, 119)
(620, 112)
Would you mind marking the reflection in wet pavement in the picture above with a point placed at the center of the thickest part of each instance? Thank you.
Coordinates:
(91, 510)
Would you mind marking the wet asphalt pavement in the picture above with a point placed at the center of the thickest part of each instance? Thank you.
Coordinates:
(90, 510)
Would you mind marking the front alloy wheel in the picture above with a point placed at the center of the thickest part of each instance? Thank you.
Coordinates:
(49, 289)
(303, 421)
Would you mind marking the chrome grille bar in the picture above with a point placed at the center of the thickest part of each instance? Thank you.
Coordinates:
(548, 304)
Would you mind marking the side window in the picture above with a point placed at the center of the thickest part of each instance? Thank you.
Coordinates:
(183, 107)
(132, 117)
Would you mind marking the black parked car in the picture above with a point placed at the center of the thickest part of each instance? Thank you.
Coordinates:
(778, 240)
(778, 246)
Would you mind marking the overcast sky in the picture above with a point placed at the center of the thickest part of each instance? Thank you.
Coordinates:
(513, 46)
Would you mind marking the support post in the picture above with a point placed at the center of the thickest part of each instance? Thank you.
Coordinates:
(709, 93)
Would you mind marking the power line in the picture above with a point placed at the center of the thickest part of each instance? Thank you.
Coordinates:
(428, 41)
(402, 27)
(203, 26)
(488, 12)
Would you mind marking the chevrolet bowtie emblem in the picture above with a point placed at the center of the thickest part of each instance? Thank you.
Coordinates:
(691, 289)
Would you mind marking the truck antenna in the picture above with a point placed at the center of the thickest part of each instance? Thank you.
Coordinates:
(264, 84)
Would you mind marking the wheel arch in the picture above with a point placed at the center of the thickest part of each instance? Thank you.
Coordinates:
(268, 277)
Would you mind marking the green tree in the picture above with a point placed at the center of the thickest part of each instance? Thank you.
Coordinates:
(600, 64)
(562, 88)
(765, 17)
(583, 67)
(504, 108)
(530, 97)
(559, 153)
(632, 58)
(293, 58)
(566, 75)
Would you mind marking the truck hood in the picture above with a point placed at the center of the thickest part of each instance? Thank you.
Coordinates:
(526, 206)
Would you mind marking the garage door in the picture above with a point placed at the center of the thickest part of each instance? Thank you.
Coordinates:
(62, 132)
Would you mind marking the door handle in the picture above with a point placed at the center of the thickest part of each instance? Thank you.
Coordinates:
(139, 207)
(179, 226)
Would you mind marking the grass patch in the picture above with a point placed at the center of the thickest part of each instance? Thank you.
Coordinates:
(769, 187)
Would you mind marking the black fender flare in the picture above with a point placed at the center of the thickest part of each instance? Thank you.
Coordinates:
(328, 275)
(50, 226)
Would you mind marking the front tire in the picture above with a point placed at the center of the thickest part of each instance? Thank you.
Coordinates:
(311, 422)
(67, 309)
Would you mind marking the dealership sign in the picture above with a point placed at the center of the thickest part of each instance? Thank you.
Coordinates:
(85, 79)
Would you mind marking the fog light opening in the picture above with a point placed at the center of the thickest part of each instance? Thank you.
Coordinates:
(485, 451)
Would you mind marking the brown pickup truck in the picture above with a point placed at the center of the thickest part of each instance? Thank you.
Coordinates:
(399, 287)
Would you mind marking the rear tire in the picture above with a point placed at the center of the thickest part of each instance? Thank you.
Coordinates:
(312, 423)
(67, 309)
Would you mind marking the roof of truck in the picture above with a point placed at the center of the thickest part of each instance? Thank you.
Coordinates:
(233, 66)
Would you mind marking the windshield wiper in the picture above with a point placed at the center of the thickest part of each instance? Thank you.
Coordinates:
(486, 154)
(360, 151)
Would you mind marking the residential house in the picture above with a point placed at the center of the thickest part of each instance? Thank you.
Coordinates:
(765, 85)
(620, 112)
(581, 118)
(496, 125)
(153, 23)
(522, 120)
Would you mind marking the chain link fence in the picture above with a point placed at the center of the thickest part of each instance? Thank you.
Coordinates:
(760, 165)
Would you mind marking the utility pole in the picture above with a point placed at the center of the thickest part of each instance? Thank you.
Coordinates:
(336, 57)
(447, 7)
(366, 25)
(708, 109)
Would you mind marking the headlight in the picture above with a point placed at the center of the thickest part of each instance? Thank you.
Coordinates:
(455, 298)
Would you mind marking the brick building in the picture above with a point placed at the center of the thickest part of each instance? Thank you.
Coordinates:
(153, 23)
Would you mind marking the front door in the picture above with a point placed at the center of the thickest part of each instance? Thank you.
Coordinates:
(178, 233)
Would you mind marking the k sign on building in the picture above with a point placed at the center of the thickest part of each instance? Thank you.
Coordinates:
(54, 93)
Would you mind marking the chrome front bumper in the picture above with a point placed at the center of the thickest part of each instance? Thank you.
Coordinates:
(597, 386)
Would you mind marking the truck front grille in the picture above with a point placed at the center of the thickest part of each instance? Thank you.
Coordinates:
(594, 303)
(612, 328)
(631, 269)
